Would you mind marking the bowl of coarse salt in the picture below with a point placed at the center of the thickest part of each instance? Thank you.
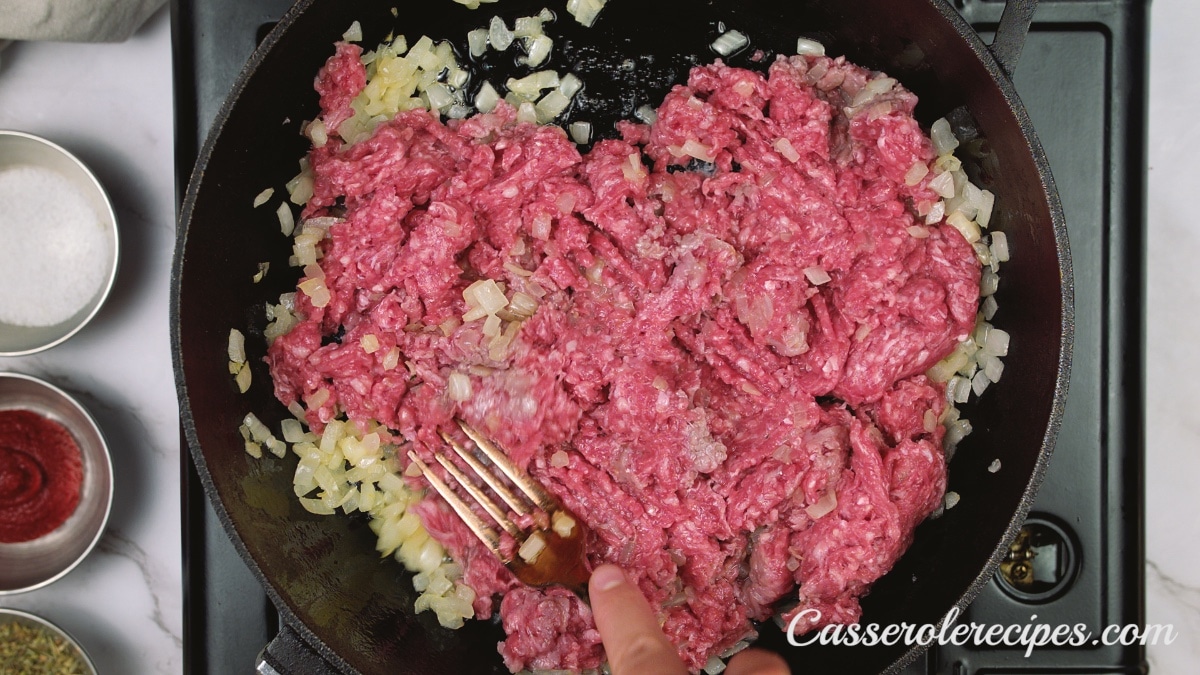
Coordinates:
(58, 244)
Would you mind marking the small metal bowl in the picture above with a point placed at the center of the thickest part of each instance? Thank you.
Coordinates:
(8, 616)
(22, 149)
(33, 564)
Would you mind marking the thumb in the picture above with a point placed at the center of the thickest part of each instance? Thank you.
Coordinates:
(628, 627)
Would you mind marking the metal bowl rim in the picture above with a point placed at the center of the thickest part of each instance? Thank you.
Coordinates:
(111, 213)
(107, 466)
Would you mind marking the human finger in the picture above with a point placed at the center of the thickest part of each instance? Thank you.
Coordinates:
(632, 637)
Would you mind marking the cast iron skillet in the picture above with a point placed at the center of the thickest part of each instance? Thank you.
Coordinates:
(347, 611)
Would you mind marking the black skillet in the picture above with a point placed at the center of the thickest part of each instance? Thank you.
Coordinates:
(344, 610)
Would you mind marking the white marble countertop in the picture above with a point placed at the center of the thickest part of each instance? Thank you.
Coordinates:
(112, 105)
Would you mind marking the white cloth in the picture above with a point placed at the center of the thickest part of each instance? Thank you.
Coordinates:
(73, 20)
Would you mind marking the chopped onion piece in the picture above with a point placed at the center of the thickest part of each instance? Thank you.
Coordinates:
(562, 524)
(989, 283)
(527, 112)
(527, 26)
(985, 208)
(570, 85)
(952, 499)
(585, 11)
(559, 459)
(551, 106)
(694, 148)
(458, 387)
(943, 185)
(538, 49)
(826, 504)
(439, 96)
(979, 383)
(936, 213)
(262, 197)
(646, 114)
(994, 466)
(944, 141)
(499, 36)
(968, 228)
(916, 173)
(477, 42)
(918, 232)
(989, 307)
(997, 343)
(531, 547)
(528, 88)
(287, 222)
(816, 275)
(807, 47)
(729, 42)
(581, 133)
(1000, 246)
(237, 346)
(369, 343)
(784, 147)
(353, 33)
(487, 98)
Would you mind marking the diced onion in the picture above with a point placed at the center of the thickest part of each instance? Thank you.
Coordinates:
(807, 47)
(816, 275)
(784, 147)
(477, 42)
(826, 504)
(944, 141)
(237, 346)
(999, 246)
(585, 11)
(353, 33)
(562, 524)
(458, 387)
(499, 36)
(487, 98)
(262, 197)
(984, 218)
(729, 42)
(532, 547)
(943, 185)
(968, 228)
(989, 283)
(581, 133)
(916, 173)
(551, 106)
(287, 222)
(646, 114)
(538, 49)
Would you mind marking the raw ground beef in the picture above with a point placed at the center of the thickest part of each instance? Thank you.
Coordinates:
(730, 425)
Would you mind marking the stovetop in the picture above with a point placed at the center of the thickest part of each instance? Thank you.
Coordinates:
(1082, 77)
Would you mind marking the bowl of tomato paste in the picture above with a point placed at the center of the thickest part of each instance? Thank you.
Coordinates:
(55, 483)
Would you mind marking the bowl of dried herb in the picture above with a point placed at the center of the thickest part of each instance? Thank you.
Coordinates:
(31, 645)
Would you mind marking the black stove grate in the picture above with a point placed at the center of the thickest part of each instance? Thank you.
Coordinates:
(1082, 76)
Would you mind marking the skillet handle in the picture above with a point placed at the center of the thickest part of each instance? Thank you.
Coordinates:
(1011, 33)
(289, 654)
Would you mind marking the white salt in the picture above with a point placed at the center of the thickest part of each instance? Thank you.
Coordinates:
(54, 248)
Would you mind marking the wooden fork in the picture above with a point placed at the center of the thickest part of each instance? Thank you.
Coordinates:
(550, 551)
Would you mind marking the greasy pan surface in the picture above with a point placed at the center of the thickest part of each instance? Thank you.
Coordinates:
(323, 573)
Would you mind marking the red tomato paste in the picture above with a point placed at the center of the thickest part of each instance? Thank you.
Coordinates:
(41, 473)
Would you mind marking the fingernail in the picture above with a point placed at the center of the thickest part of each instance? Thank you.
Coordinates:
(607, 577)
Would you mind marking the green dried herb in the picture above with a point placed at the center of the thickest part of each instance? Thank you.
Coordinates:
(33, 650)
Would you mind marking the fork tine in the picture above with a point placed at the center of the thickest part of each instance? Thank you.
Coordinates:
(486, 534)
(514, 502)
(528, 486)
(480, 496)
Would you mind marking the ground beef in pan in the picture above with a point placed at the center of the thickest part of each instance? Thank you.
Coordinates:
(726, 360)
